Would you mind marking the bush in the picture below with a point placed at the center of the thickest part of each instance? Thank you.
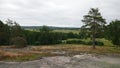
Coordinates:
(37, 43)
(96, 43)
(76, 41)
(19, 42)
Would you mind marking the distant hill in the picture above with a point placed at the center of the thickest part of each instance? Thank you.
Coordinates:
(51, 27)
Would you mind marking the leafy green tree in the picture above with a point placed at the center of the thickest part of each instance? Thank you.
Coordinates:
(31, 36)
(1, 32)
(95, 22)
(45, 29)
(17, 30)
(112, 32)
(84, 33)
(14, 29)
(47, 36)
(72, 35)
(4, 35)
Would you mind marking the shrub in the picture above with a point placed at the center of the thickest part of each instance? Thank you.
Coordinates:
(96, 43)
(37, 43)
(76, 41)
(19, 42)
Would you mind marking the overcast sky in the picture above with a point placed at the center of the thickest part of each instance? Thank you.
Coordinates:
(66, 13)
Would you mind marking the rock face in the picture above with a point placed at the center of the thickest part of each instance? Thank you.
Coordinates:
(77, 61)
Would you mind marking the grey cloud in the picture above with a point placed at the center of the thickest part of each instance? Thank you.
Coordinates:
(56, 12)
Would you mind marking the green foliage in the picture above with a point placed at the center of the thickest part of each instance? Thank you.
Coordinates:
(112, 32)
(75, 31)
(72, 35)
(95, 23)
(4, 33)
(96, 43)
(14, 29)
(47, 37)
(19, 42)
(31, 37)
(74, 41)
(45, 29)
(9, 31)
(103, 40)
(37, 43)
(84, 42)
(44, 37)
(84, 33)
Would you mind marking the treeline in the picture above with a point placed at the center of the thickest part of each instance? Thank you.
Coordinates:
(12, 33)
(50, 27)
(45, 36)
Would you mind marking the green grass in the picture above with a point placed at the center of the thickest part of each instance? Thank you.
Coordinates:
(23, 58)
(61, 30)
(103, 40)
(106, 42)
(67, 31)
(85, 41)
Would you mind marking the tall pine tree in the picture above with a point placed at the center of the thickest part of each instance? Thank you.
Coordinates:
(95, 22)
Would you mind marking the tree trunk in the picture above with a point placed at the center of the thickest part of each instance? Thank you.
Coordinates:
(93, 41)
(93, 35)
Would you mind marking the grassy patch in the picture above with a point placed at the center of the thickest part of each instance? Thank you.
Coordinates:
(25, 57)
(22, 58)
(106, 42)
(89, 42)
(77, 48)
(67, 31)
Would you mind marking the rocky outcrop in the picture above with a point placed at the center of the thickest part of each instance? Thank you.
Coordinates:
(77, 61)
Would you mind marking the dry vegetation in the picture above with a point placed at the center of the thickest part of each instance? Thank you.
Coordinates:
(80, 48)
(8, 53)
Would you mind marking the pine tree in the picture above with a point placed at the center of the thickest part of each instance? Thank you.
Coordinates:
(95, 22)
